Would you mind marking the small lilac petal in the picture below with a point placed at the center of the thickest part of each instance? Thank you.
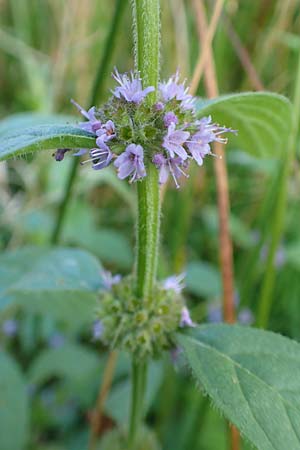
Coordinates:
(97, 330)
(125, 170)
(80, 152)
(10, 327)
(236, 299)
(174, 140)
(214, 313)
(130, 88)
(159, 106)
(172, 89)
(280, 257)
(169, 118)
(186, 320)
(93, 123)
(109, 280)
(168, 166)
(163, 174)
(107, 131)
(245, 316)
(57, 340)
(131, 162)
(80, 109)
(175, 283)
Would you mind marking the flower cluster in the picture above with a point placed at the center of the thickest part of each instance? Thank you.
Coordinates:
(127, 323)
(131, 134)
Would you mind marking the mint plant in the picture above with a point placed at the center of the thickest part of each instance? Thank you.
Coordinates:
(150, 130)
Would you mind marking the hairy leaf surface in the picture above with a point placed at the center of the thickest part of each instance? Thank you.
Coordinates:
(253, 377)
(262, 119)
(44, 137)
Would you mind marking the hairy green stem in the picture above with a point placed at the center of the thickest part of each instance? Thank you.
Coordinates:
(148, 223)
(139, 378)
(146, 18)
(266, 298)
(96, 93)
(147, 41)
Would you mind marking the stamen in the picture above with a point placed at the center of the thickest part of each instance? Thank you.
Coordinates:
(173, 175)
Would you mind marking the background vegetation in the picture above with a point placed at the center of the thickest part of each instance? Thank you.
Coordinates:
(51, 51)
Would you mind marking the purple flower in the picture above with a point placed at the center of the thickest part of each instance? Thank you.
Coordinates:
(93, 124)
(131, 162)
(109, 280)
(97, 330)
(211, 132)
(57, 340)
(186, 320)
(80, 152)
(172, 89)
(130, 88)
(10, 327)
(198, 147)
(166, 166)
(169, 118)
(214, 313)
(245, 316)
(280, 255)
(159, 106)
(106, 132)
(60, 153)
(199, 143)
(100, 157)
(174, 282)
(174, 140)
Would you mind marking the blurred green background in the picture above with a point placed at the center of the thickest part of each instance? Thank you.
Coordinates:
(50, 52)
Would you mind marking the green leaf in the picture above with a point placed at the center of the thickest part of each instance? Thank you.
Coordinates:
(60, 282)
(253, 377)
(44, 137)
(78, 369)
(73, 362)
(262, 119)
(20, 121)
(112, 246)
(14, 409)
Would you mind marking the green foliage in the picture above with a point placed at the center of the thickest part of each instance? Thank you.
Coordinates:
(17, 123)
(203, 279)
(59, 282)
(252, 376)
(78, 368)
(14, 413)
(112, 246)
(117, 405)
(71, 362)
(116, 440)
(262, 119)
(44, 137)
